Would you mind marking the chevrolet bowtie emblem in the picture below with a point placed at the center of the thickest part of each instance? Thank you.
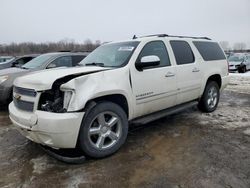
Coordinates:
(17, 97)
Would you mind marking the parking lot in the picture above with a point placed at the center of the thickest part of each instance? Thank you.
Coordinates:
(190, 149)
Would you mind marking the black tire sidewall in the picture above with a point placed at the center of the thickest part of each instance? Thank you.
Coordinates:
(203, 105)
(83, 140)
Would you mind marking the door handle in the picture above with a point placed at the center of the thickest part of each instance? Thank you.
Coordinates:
(169, 74)
(195, 70)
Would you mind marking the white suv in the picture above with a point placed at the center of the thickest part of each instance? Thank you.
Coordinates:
(134, 81)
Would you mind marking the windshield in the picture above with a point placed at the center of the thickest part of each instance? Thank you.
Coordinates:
(111, 55)
(236, 58)
(37, 62)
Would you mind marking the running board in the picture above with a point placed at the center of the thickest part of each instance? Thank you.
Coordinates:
(157, 115)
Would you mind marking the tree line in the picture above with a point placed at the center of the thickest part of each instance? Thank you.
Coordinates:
(238, 46)
(15, 49)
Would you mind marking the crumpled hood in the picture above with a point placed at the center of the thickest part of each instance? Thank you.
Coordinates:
(43, 80)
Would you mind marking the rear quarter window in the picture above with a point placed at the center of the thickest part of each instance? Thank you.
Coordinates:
(209, 51)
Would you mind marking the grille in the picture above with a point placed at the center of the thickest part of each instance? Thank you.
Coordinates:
(24, 91)
(27, 104)
(24, 105)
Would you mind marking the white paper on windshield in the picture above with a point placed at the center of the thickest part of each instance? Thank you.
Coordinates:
(126, 48)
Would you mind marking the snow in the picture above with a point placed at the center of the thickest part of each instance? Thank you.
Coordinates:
(239, 82)
(246, 74)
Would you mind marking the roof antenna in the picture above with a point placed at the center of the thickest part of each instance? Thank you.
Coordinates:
(134, 37)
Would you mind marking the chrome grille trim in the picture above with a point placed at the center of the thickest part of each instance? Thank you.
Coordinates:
(24, 91)
(24, 99)
(24, 105)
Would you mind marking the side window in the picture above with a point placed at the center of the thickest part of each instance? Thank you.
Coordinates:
(209, 50)
(182, 52)
(156, 48)
(27, 59)
(77, 59)
(23, 60)
(65, 61)
(19, 61)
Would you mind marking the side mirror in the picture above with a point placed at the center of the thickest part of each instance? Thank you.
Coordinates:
(51, 65)
(147, 61)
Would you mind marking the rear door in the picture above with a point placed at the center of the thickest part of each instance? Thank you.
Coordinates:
(154, 88)
(188, 72)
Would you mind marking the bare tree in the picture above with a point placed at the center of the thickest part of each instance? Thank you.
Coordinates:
(63, 45)
(225, 45)
(240, 46)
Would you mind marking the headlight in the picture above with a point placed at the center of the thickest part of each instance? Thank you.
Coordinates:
(67, 98)
(3, 79)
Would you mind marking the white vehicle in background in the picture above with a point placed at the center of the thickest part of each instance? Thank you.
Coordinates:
(134, 81)
(239, 62)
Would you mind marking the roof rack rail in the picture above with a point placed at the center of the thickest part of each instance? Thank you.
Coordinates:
(189, 37)
(166, 35)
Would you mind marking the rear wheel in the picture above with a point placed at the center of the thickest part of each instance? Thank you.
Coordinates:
(103, 131)
(210, 97)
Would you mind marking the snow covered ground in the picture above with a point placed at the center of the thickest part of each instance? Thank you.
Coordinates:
(239, 82)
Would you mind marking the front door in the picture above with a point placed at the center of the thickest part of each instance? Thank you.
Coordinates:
(154, 88)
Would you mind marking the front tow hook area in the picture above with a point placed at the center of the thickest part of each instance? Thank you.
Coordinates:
(70, 156)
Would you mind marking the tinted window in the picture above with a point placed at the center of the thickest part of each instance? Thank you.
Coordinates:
(156, 48)
(77, 58)
(23, 60)
(65, 61)
(183, 52)
(209, 50)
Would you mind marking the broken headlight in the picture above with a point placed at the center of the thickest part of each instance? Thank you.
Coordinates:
(67, 98)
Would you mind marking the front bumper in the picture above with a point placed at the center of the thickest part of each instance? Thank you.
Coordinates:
(57, 130)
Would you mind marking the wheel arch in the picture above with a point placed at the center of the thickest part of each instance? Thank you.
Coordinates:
(118, 99)
(215, 77)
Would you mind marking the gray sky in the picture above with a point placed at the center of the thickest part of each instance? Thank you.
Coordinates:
(109, 20)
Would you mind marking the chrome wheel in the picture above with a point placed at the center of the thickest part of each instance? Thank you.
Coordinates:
(212, 97)
(105, 130)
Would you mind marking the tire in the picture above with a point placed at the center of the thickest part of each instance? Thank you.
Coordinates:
(103, 130)
(242, 69)
(210, 98)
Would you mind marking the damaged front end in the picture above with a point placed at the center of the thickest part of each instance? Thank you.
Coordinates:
(56, 100)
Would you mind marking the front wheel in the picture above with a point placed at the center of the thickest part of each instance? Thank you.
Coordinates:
(210, 97)
(242, 69)
(103, 130)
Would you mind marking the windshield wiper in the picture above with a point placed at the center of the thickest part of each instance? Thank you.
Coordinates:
(95, 64)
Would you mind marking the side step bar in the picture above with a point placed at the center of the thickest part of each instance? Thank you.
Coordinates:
(157, 115)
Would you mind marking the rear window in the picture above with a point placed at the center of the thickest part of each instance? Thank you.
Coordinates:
(182, 52)
(209, 50)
